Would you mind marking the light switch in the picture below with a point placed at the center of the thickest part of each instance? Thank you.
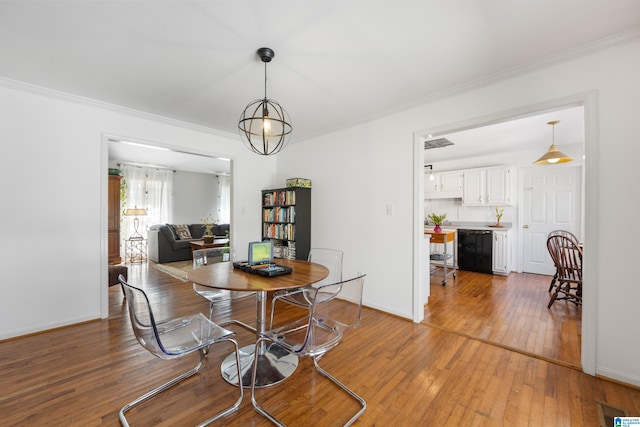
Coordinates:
(390, 209)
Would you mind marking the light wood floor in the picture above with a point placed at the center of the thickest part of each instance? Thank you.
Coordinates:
(510, 311)
(410, 374)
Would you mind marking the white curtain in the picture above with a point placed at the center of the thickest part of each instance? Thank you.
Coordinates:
(224, 200)
(149, 189)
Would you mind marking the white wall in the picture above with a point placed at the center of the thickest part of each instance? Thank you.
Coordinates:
(53, 183)
(195, 195)
(357, 172)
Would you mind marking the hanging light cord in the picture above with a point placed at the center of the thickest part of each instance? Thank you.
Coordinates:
(265, 80)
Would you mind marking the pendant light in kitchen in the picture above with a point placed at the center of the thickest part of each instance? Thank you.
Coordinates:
(553, 155)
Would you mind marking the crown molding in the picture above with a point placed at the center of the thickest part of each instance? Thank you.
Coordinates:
(76, 99)
(628, 36)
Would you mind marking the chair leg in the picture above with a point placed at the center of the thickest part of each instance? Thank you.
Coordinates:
(176, 380)
(554, 296)
(553, 281)
(324, 373)
(255, 403)
(239, 323)
(229, 322)
(360, 400)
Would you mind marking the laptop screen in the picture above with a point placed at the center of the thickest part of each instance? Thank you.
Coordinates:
(260, 253)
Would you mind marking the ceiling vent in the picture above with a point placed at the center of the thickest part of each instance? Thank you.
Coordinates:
(437, 143)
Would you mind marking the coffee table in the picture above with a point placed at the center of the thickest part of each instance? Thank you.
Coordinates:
(274, 364)
(200, 244)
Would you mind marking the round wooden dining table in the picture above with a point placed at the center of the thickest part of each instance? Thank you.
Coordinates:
(274, 364)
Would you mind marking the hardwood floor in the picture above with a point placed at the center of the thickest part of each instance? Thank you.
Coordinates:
(510, 311)
(409, 374)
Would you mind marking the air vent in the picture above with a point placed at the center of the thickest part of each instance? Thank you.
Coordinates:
(437, 143)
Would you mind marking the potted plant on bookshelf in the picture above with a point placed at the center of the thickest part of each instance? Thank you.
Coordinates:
(437, 220)
(208, 223)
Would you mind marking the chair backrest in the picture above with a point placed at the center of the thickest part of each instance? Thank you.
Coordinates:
(209, 256)
(330, 258)
(142, 319)
(567, 257)
(327, 320)
(565, 233)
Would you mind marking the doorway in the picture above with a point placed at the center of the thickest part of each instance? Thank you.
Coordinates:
(587, 103)
(153, 155)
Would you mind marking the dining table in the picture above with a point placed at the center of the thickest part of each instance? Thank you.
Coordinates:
(274, 364)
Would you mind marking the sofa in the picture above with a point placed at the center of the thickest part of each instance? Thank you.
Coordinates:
(172, 242)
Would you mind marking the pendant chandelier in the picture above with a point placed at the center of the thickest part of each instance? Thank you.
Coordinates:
(553, 155)
(264, 125)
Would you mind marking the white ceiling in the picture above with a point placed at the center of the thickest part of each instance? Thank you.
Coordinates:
(337, 62)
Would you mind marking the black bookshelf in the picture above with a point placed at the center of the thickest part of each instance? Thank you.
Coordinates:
(286, 219)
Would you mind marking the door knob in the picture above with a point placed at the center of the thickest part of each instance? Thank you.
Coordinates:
(525, 226)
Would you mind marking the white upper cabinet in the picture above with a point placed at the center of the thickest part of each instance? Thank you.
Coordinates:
(443, 185)
(474, 187)
(487, 186)
(499, 186)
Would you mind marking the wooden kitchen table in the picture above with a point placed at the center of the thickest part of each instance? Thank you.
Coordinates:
(274, 364)
(445, 236)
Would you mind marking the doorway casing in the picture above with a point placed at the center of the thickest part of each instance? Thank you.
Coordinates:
(590, 179)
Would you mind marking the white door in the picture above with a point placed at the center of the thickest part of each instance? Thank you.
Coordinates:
(551, 201)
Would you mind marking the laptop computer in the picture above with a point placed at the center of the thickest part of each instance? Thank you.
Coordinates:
(260, 260)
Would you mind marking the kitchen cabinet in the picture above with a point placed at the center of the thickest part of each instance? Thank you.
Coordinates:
(444, 185)
(487, 186)
(501, 252)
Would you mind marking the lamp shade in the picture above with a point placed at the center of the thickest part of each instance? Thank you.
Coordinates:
(135, 212)
(553, 155)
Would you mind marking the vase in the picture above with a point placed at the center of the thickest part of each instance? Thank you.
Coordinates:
(208, 239)
(437, 228)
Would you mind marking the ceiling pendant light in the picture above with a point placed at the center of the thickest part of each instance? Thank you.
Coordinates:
(553, 155)
(264, 125)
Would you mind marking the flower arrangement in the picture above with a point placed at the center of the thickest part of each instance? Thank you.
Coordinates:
(499, 213)
(208, 223)
(437, 220)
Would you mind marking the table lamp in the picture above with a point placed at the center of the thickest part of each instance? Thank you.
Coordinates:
(135, 212)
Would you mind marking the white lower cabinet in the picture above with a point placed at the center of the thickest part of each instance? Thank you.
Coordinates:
(501, 252)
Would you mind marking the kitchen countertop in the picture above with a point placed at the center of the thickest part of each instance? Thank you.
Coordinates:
(470, 226)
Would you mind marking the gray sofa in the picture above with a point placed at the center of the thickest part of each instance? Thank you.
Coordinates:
(165, 245)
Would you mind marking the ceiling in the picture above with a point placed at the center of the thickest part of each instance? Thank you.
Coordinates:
(337, 62)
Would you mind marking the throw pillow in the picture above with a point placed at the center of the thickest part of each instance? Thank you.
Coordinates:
(182, 231)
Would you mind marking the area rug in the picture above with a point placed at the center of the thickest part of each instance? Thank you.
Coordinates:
(178, 269)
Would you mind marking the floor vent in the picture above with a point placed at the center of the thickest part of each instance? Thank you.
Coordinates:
(437, 143)
(607, 413)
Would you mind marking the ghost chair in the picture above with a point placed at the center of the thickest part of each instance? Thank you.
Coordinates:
(172, 339)
(330, 258)
(203, 257)
(333, 310)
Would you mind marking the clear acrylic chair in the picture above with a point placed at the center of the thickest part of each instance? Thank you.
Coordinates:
(330, 258)
(568, 235)
(333, 309)
(567, 257)
(202, 257)
(171, 339)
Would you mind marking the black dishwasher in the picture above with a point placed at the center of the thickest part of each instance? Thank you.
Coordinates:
(475, 250)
